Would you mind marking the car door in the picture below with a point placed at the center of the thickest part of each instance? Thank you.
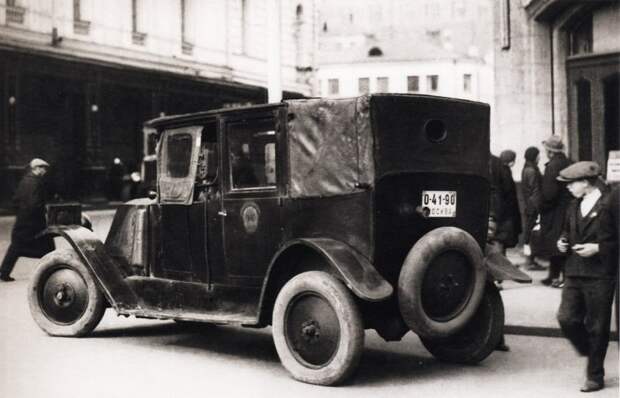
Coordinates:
(182, 212)
(251, 200)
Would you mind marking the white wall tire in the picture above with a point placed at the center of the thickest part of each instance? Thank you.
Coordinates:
(317, 329)
(63, 296)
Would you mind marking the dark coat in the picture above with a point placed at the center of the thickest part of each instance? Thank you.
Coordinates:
(609, 218)
(29, 200)
(504, 207)
(496, 208)
(578, 229)
(555, 199)
(531, 187)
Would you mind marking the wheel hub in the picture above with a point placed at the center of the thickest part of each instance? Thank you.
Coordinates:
(311, 331)
(447, 285)
(63, 296)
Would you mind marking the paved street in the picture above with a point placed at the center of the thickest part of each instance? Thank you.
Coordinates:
(135, 358)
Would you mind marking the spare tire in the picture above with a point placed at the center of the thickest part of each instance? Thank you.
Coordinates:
(441, 282)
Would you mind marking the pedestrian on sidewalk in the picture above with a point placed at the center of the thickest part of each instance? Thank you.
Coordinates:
(585, 309)
(608, 236)
(555, 199)
(509, 223)
(29, 199)
(531, 187)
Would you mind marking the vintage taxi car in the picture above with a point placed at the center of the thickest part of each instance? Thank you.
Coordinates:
(321, 218)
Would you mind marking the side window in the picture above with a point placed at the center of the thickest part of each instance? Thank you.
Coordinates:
(179, 155)
(252, 154)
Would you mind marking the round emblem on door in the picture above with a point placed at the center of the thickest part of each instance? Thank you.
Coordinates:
(250, 214)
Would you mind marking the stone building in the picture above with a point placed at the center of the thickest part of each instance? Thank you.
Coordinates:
(557, 65)
(78, 78)
(436, 47)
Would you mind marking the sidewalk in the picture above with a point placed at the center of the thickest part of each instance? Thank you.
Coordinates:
(531, 308)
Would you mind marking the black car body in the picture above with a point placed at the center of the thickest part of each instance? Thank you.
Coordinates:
(320, 217)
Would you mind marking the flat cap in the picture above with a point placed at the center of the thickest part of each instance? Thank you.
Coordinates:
(554, 144)
(579, 171)
(36, 162)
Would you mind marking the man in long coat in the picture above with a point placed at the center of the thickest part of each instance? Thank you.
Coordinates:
(555, 199)
(29, 199)
(531, 187)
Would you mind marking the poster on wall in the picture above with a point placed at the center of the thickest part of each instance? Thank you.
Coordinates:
(613, 166)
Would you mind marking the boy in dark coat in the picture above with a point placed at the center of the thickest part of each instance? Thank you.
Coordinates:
(29, 199)
(585, 310)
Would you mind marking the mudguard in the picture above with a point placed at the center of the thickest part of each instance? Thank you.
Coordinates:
(108, 273)
(358, 273)
(501, 269)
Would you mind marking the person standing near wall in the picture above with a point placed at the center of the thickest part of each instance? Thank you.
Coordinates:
(585, 309)
(555, 199)
(29, 198)
(531, 187)
(509, 224)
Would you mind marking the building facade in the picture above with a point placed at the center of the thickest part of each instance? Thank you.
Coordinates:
(436, 47)
(407, 67)
(79, 77)
(557, 68)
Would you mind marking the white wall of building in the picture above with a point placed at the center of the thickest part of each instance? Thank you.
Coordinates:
(606, 30)
(450, 74)
(229, 37)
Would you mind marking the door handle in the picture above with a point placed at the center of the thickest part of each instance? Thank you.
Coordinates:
(222, 213)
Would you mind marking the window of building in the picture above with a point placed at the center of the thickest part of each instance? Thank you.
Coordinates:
(245, 28)
(504, 24)
(467, 83)
(458, 8)
(138, 37)
(580, 37)
(333, 86)
(413, 84)
(432, 82)
(298, 27)
(375, 52)
(363, 85)
(14, 12)
(382, 84)
(186, 43)
(81, 25)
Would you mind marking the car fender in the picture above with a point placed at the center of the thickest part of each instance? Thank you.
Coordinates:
(501, 269)
(356, 272)
(107, 272)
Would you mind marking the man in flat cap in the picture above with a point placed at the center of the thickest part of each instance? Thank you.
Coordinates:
(585, 309)
(555, 199)
(29, 200)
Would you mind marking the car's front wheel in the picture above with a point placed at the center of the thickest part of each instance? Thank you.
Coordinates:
(63, 296)
(317, 329)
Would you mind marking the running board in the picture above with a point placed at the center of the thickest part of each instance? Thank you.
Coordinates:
(160, 298)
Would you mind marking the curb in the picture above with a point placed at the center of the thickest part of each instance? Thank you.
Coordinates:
(543, 331)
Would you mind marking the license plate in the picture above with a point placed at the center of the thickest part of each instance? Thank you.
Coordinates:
(439, 203)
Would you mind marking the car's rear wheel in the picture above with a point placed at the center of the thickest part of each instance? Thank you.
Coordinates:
(441, 282)
(479, 337)
(63, 296)
(317, 329)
